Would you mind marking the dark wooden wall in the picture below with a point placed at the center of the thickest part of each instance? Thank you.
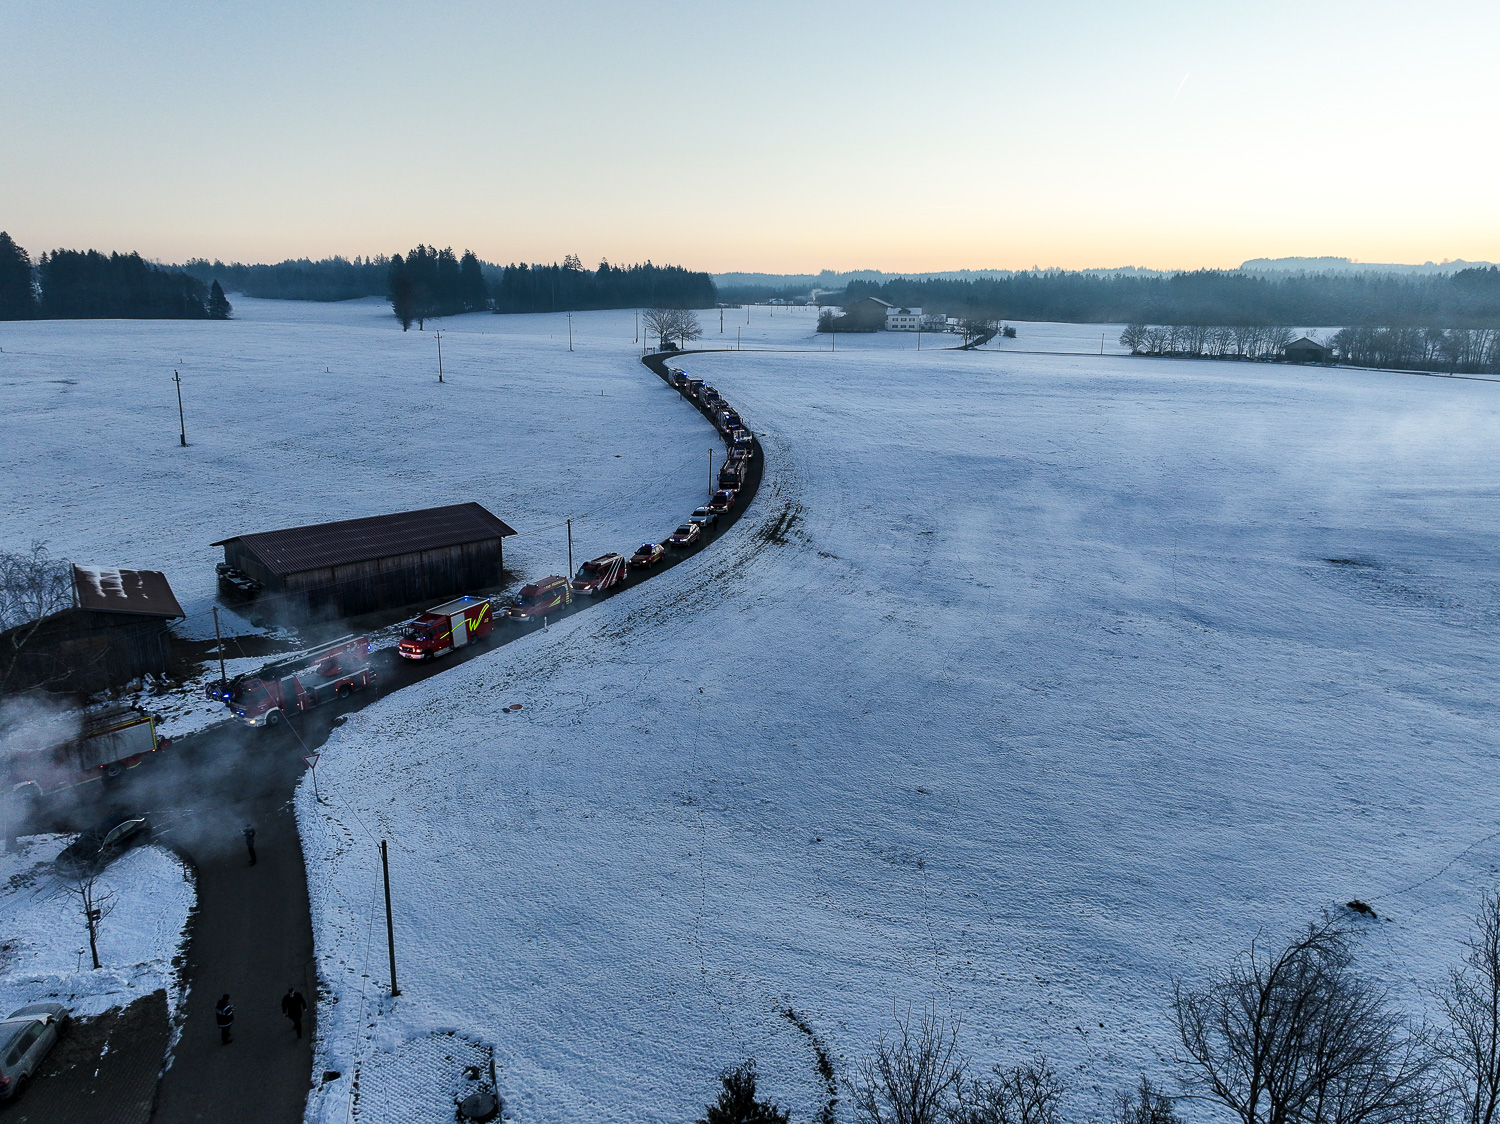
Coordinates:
(83, 652)
(387, 583)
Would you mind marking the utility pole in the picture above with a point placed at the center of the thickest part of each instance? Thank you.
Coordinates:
(721, 321)
(710, 470)
(223, 675)
(570, 550)
(919, 339)
(637, 325)
(439, 337)
(390, 929)
(736, 339)
(1101, 343)
(181, 418)
(834, 346)
(570, 330)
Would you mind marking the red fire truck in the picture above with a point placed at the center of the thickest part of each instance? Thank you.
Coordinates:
(446, 628)
(111, 742)
(298, 683)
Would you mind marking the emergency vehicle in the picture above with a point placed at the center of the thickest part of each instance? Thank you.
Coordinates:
(447, 628)
(110, 742)
(601, 573)
(539, 598)
(298, 683)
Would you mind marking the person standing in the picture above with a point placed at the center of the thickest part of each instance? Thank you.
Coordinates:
(224, 1016)
(249, 834)
(292, 1006)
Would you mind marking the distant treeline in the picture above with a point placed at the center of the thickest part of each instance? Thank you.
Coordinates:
(85, 284)
(1467, 299)
(329, 279)
(558, 288)
(1455, 350)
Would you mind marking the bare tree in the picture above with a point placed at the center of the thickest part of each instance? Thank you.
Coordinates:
(668, 324)
(1297, 1037)
(33, 586)
(1144, 1105)
(913, 1078)
(1021, 1094)
(1471, 1002)
(97, 903)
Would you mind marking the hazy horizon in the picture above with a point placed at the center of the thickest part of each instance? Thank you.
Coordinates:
(777, 139)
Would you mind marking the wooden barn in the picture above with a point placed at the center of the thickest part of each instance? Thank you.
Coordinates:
(116, 631)
(359, 566)
(1304, 350)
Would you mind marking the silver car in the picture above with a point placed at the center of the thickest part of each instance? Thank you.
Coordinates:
(25, 1038)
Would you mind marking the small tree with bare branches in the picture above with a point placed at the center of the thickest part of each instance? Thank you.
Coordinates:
(912, 1078)
(1296, 1036)
(97, 903)
(1020, 1094)
(33, 586)
(1470, 1043)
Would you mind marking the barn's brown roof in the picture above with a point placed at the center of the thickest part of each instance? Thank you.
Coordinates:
(347, 541)
(106, 590)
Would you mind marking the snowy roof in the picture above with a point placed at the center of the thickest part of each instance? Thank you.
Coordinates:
(108, 590)
(873, 300)
(904, 312)
(1304, 342)
(347, 541)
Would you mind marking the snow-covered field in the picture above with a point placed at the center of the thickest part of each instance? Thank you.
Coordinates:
(1030, 682)
(301, 413)
(45, 953)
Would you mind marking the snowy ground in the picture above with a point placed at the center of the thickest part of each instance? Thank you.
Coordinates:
(45, 951)
(300, 413)
(1030, 682)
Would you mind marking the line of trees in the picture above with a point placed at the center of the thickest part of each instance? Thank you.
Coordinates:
(429, 282)
(1201, 341)
(1469, 298)
(328, 279)
(1468, 350)
(85, 284)
(558, 288)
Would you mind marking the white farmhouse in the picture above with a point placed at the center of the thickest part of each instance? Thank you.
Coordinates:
(903, 320)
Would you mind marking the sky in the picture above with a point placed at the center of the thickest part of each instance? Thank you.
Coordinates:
(768, 136)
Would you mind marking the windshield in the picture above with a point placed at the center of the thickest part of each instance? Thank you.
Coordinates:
(589, 569)
(422, 633)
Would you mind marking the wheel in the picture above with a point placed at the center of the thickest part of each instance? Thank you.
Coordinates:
(273, 718)
(345, 691)
(113, 769)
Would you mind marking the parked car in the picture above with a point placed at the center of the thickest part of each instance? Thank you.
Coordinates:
(539, 598)
(97, 847)
(647, 554)
(685, 536)
(703, 517)
(26, 1036)
(723, 500)
(600, 574)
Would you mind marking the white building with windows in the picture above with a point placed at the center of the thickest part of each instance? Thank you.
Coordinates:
(903, 320)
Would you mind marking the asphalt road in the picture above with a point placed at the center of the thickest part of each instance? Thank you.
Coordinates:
(252, 931)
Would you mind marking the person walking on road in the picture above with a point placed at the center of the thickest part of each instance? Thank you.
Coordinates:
(249, 834)
(292, 1006)
(224, 1016)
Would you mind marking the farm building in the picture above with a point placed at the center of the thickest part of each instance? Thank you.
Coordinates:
(381, 562)
(115, 631)
(1304, 350)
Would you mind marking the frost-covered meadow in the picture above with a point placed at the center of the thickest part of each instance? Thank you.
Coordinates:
(1030, 682)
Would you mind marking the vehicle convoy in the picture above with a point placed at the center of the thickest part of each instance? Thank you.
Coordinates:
(601, 573)
(539, 598)
(647, 554)
(447, 628)
(298, 683)
(26, 1037)
(112, 741)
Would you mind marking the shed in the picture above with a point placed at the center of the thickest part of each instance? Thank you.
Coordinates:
(358, 566)
(116, 631)
(1304, 350)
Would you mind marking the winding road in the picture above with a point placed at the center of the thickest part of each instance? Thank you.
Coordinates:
(251, 934)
